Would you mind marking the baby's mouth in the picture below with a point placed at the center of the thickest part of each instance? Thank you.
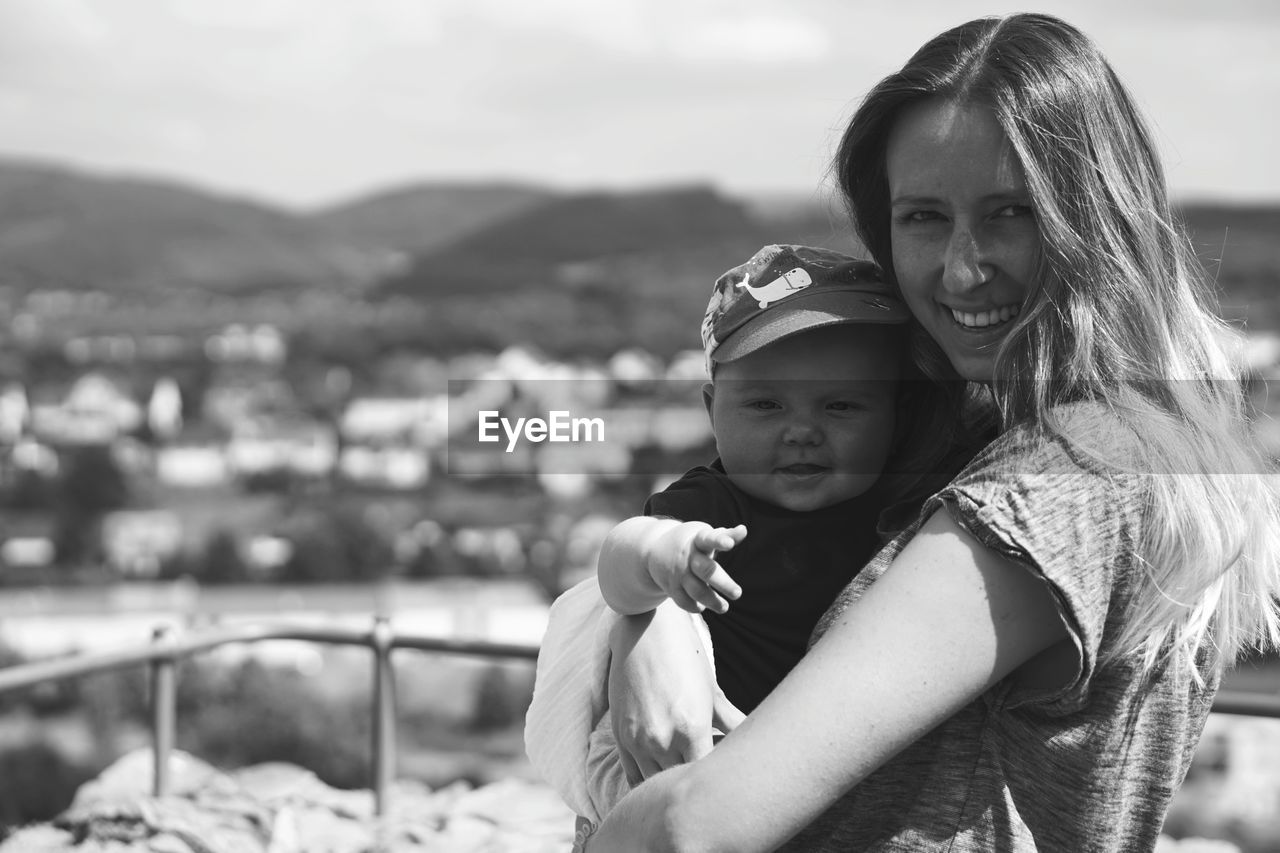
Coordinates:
(802, 469)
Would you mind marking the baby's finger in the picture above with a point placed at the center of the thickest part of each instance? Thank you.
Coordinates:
(686, 602)
(705, 596)
(720, 538)
(722, 583)
(734, 535)
(711, 538)
(711, 573)
(701, 566)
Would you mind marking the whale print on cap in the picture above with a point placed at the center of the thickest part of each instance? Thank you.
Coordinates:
(786, 289)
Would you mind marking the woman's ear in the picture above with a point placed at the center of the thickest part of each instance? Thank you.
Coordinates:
(708, 397)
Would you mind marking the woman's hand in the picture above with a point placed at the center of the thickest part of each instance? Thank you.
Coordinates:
(663, 697)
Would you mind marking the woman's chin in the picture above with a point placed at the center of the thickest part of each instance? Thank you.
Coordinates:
(971, 365)
(973, 352)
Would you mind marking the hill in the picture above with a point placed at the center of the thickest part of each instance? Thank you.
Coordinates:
(484, 264)
(590, 273)
(426, 217)
(1240, 248)
(565, 240)
(65, 229)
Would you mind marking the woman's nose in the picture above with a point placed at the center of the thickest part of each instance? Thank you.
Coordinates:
(965, 266)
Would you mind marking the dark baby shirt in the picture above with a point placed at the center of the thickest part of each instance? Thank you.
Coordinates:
(791, 565)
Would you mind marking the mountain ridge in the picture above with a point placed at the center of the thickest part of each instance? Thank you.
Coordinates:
(425, 216)
(66, 227)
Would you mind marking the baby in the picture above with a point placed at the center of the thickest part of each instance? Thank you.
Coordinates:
(804, 348)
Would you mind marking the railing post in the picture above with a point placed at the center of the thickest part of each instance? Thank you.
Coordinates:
(384, 714)
(164, 698)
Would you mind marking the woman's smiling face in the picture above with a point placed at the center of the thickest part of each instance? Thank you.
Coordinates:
(964, 235)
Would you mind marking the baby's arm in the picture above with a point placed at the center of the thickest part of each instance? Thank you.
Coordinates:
(646, 560)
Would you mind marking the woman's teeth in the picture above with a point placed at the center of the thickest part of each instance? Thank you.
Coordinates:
(985, 318)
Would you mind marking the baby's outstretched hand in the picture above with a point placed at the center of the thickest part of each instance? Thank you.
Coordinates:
(684, 566)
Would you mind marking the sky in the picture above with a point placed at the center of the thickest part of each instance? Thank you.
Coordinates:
(307, 103)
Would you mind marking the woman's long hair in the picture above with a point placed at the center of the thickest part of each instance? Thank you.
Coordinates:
(1121, 314)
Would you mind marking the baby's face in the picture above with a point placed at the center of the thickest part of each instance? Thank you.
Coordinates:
(808, 422)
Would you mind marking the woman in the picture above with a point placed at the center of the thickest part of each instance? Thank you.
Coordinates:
(1029, 665)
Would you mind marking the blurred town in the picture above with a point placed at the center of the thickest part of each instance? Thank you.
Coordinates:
(120, 473)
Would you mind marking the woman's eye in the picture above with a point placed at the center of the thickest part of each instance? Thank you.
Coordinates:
(917, 216)
(1011, 211)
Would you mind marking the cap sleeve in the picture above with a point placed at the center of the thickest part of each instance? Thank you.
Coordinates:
(1071, 521)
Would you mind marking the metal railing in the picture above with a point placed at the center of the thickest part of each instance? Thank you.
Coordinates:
(1244, 703)
(166, 649)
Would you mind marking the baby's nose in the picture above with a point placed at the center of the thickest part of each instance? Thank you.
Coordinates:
(802, 431)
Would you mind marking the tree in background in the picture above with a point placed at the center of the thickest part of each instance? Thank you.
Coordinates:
(223, 562)
(90, 485)
(335, 542)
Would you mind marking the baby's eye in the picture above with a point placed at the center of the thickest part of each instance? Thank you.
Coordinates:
(843, 406)
(763, 405)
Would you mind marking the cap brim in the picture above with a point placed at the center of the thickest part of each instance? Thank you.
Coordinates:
(810, 311)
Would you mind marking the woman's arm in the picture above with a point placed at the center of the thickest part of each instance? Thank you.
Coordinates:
(946, 621)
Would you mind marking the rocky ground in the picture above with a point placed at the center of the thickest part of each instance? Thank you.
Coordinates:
(280, 808)
(1231, 795)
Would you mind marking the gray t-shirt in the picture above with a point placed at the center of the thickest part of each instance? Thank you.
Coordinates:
(1086, 767)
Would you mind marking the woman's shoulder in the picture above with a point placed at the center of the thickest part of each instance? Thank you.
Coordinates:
(1086, 437)
(1076, 473)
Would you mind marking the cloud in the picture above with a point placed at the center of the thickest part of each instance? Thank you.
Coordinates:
(755, 39)
(307, 100)
(702, 31)
(57, 24)
(627, 26)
